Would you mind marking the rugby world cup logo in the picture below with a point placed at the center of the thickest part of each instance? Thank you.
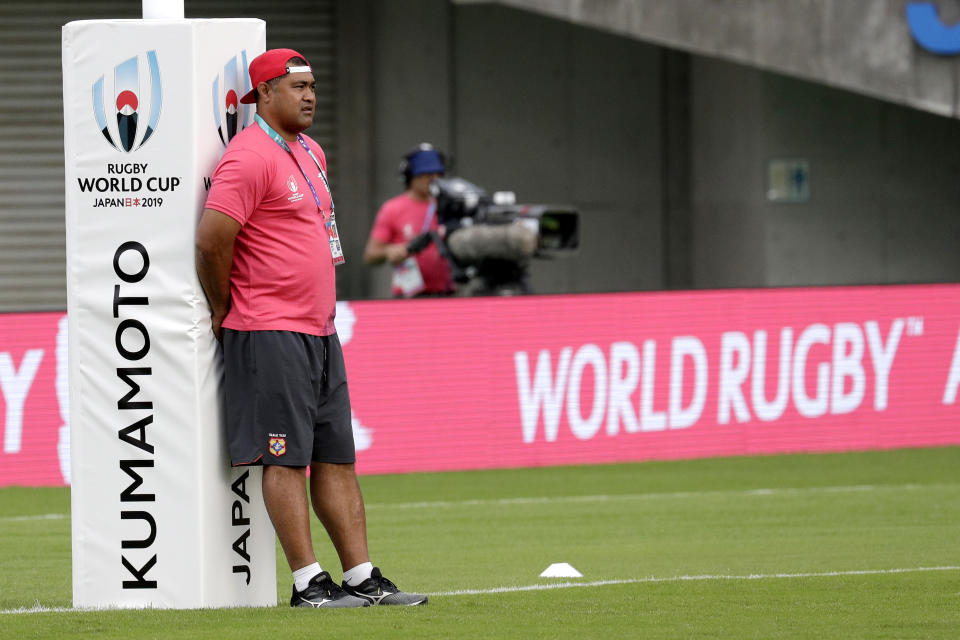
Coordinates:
(135, 91)
(229, 115)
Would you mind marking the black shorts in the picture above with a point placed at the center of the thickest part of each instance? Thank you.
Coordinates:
(286, 399)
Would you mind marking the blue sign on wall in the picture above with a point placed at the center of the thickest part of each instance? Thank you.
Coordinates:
(930, 32)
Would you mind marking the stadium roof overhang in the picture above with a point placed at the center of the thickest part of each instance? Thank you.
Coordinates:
(868, 48)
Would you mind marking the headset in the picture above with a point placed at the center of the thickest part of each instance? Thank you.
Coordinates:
(423, 158)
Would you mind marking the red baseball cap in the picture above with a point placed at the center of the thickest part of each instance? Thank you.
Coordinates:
(269, 65)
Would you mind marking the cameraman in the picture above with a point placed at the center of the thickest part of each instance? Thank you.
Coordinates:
(405, 217)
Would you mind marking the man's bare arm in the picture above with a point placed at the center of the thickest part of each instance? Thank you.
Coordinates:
(376, 252)
(214, 253)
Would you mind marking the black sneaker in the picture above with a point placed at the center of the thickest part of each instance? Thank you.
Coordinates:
(378, 590)
(322, 591)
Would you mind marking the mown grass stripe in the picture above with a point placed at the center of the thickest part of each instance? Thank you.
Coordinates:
(439, 504)
(38, 608)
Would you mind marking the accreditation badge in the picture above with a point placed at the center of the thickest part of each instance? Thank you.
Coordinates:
(336, 251)
(407, 278)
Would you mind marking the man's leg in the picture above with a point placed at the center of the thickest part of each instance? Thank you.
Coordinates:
(285, 496)
(338, 503)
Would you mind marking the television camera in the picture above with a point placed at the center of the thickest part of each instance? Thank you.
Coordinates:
(489, 241)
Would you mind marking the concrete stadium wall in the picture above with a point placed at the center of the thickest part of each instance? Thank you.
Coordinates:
(865, 47)
(556, 113)
(664, 153)
(884, 194)
(585, 131)
(663, 150)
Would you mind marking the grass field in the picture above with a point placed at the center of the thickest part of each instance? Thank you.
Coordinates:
(863, 545)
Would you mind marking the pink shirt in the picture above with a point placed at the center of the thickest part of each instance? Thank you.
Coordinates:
(282, 276)
(398, 221)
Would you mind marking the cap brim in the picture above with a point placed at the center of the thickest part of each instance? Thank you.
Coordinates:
(250, 97)
(429, 167)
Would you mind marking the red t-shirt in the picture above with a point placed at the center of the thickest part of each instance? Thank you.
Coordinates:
(398, 221)
(282, 276)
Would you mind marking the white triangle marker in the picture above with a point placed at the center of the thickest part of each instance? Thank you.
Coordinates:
(560, 570)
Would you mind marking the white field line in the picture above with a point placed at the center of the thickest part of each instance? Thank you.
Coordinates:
(624, 497)
(702, 578)
(38, 608)
(670, 495)
(44, 516)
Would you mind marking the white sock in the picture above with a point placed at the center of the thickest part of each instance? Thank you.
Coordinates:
(302, 576)
(358, 574)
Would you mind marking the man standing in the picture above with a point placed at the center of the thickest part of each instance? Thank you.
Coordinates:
(402, 218)
(267, 246)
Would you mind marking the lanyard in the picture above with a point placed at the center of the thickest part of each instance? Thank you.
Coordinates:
(283, 144)
(330, 224)
(431, 210)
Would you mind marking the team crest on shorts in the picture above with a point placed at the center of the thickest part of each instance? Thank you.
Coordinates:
(278, 446)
